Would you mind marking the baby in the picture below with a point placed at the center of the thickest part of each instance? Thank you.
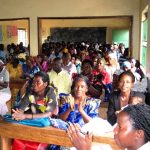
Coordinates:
(136, 99)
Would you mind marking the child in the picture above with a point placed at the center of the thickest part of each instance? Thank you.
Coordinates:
(136, 99)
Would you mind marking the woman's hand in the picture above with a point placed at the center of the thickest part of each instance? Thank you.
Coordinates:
(70, 99)
(80, 107)
(18, 115)
(117, 112)
(79, 140)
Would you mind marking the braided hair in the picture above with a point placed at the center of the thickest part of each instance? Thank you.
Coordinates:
(140, 117)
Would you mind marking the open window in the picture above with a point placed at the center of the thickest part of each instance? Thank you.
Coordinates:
(144, 34)
(22, 36)
(14, 31)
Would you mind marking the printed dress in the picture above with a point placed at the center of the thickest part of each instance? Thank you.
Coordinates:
(91, 108)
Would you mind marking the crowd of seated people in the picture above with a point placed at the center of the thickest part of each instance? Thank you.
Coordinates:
(77, 58)
(111, 77)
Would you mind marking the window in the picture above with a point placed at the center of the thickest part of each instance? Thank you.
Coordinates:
(144, 34)
(22, 37)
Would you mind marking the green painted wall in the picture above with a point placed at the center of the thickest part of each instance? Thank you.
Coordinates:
(144, 43)
(143, 56)
(121, 36)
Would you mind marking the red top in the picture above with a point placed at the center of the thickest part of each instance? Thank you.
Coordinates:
(105, 74)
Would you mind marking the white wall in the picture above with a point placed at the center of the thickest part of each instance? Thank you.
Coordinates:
(70, 8)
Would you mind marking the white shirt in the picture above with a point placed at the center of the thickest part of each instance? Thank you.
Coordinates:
(145, 146)
(4, 77)
(70, 68)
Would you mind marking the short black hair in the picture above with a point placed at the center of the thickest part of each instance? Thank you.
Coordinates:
(80, 77)
(128, 73)
(44, 76)
(57, 59)
(87, 61)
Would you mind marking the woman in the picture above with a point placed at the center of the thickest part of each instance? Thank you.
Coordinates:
(15, 74)
(14, 69)
(42, 62)
(40, 102)
(112, 64)
(78, 108)
(30, 68)
(102, 79)
(5, 93)
(132, 131)
(86, 70)
(120, 98)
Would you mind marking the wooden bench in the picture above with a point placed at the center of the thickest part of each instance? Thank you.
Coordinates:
(50, 135)
(15, 86)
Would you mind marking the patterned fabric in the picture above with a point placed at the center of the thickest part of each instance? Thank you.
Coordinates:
(40, 104)
(91, 108)
(48, 104)
(30, 71)
(58, 123)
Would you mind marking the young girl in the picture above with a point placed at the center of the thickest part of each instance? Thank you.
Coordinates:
(132, 131)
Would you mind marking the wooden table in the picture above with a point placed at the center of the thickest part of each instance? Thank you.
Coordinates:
(50, 135)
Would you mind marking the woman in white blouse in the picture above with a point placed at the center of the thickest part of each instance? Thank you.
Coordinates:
(5, 93)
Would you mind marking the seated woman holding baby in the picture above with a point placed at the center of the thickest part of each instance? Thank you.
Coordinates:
(123, 96)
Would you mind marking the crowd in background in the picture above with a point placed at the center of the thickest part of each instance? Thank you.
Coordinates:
(80, 75)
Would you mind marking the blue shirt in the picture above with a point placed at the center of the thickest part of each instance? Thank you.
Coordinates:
(91, 108)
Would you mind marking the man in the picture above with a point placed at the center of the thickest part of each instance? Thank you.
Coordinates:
(116, 50)
(68, 65)
(60, 78)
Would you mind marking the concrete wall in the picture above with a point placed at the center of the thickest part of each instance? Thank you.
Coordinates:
(70, 8)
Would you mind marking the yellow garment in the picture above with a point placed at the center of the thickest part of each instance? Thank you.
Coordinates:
(62, 81)
(14, 73)
(65, 50)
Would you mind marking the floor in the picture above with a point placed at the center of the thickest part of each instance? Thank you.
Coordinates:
(103, 110)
